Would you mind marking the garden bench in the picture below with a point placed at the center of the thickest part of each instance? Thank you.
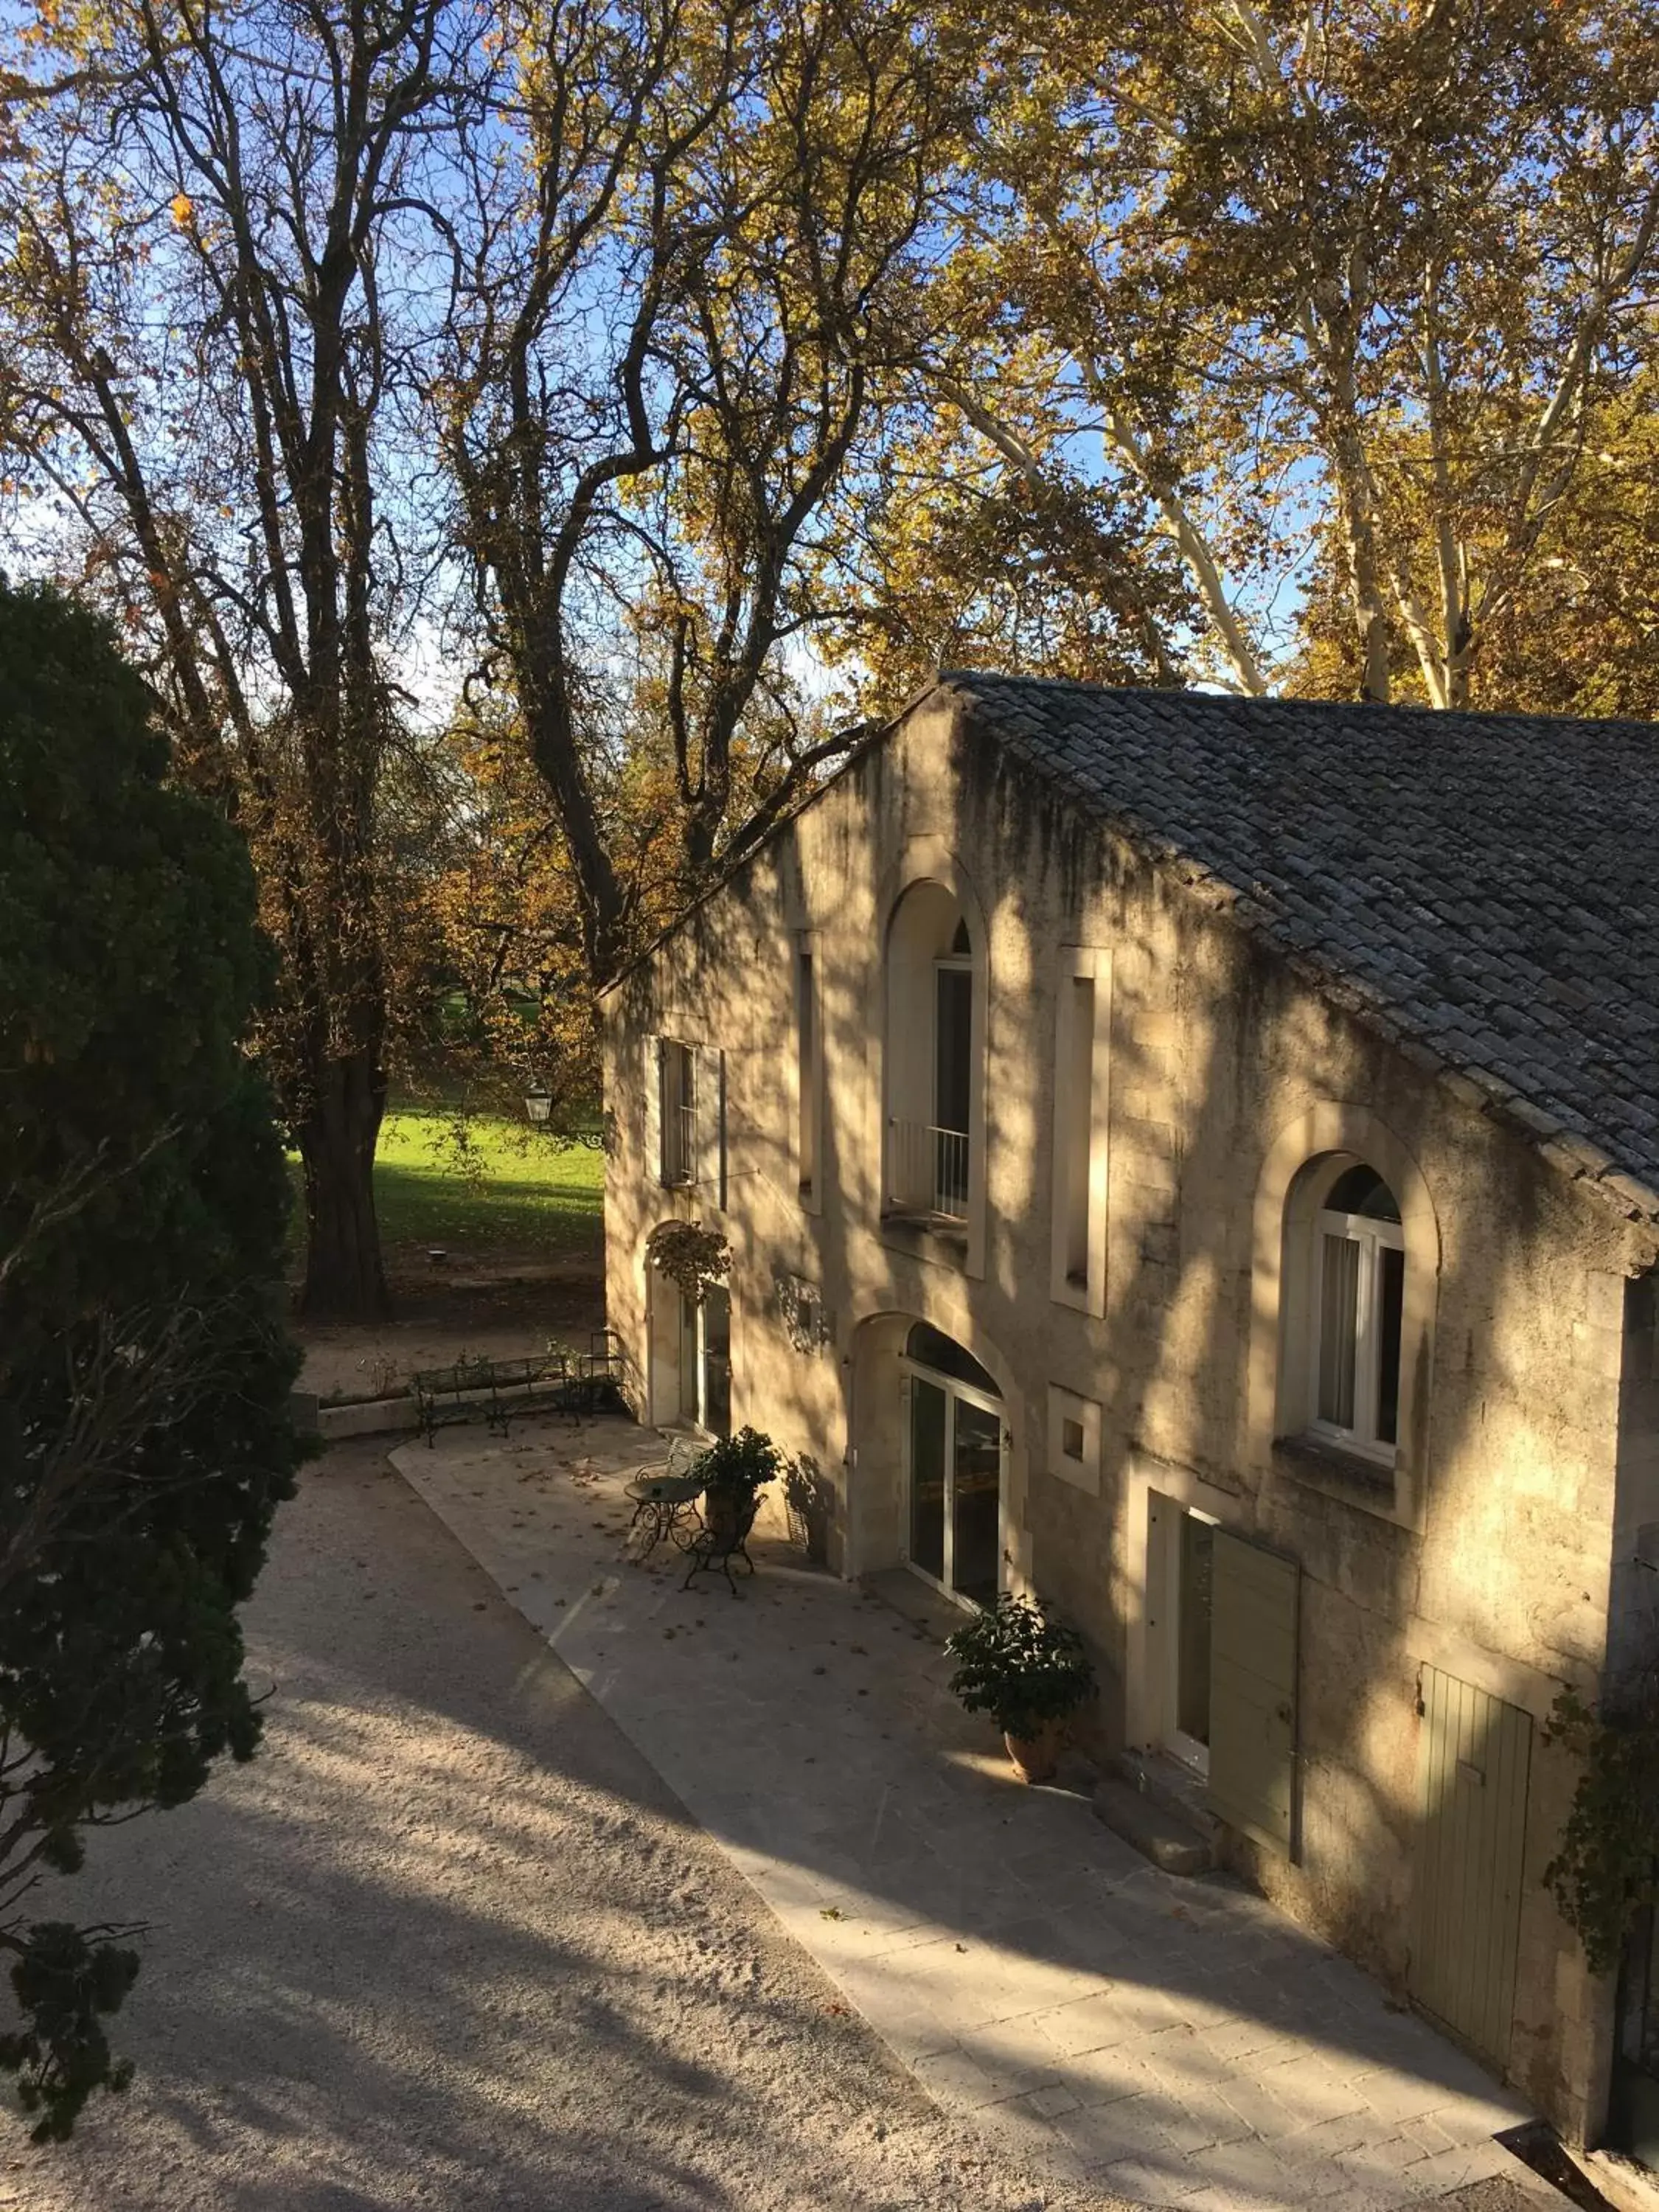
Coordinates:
(547, 1382)
(445, 1395)
(556, 1381)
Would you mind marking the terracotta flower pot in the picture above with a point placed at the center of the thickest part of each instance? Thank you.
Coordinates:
(1035, 1757)
(722, 1509)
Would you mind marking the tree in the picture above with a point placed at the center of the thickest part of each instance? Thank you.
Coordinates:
(213, 293)
(1367, 276)
(1580, 638)
(144, 1370)
(513, 1012)
(676, 299)
(966, 547)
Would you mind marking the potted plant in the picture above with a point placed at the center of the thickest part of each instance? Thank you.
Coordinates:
(1029, 1671)
(734, 1471)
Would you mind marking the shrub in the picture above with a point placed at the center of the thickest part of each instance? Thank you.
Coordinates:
(742, 1464)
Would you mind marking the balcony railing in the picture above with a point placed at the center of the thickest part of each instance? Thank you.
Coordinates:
(926, 1170)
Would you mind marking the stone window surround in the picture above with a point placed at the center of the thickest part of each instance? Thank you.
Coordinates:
(1069, 1409)
(1091, 964)
(1281, 1322)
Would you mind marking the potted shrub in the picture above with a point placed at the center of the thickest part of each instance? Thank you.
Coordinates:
(734, 1471)
(1029, 1671)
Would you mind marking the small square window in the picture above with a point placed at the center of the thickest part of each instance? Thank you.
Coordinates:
(1073, 1455)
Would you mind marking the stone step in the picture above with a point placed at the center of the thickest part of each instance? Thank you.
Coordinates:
(1170, 1841)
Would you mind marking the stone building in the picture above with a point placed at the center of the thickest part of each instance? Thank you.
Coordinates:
(1196, 1159)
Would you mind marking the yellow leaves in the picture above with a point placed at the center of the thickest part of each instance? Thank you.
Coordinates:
(184, 211)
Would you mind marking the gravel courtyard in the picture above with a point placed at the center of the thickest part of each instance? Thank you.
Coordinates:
(449, 1942)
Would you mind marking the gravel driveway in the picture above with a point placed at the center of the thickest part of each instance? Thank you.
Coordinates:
(449, 1942)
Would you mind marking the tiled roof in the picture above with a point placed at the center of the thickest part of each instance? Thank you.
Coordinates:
(1486, 886)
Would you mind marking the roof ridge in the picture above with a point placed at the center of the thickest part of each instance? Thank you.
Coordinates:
(1278, 703)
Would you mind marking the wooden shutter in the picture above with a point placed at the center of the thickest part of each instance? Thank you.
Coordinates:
(706, 1132)
(1252, 1665)
(1474, 1761)
(662, 1110)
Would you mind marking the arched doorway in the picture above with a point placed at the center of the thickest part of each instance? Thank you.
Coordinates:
(954, 1466)
(690, 1341)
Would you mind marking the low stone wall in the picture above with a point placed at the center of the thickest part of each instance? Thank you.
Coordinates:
(367, 1417)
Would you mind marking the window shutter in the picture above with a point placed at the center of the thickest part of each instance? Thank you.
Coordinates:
(1253, 1671)
(705, 1139)
(662, 1110)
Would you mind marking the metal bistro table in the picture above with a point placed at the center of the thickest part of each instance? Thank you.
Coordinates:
(665, 1504)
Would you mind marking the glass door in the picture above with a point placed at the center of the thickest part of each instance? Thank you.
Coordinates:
(717, 1361)
(955, 1525)
(976, 1501)
(929, 1427)
(706, 1361)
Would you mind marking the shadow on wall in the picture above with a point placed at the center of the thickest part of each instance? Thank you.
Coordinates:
(1215, 1045)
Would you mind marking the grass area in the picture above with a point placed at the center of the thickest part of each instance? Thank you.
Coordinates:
(514, 1190)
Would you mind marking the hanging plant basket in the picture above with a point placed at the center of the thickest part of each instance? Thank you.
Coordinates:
(693, 1258)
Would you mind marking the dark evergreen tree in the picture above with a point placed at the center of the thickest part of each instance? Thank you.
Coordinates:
(144, 1366)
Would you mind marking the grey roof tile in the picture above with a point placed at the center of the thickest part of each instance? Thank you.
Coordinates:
(1491, 880)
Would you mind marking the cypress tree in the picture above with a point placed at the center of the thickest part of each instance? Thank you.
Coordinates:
(145, 1439)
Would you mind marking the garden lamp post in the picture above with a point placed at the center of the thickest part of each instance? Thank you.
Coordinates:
(539, 1104)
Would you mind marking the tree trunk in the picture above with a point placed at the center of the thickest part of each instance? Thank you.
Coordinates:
(345, 1279)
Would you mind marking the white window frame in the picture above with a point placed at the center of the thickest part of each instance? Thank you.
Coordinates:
(1188, 1749)
(1373, 1237)
(914, 1370)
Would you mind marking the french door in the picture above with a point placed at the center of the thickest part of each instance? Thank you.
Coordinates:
(706, 1361)
(955, 1470)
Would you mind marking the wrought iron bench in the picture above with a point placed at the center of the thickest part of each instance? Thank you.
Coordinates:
(547, 1382)
(556, 1381)
(446, 1395)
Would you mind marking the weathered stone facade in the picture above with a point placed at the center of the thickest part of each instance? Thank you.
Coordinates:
(1145, 1346)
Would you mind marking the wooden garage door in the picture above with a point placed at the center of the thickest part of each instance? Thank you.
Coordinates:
(1475, 1757)
(1253, 1657)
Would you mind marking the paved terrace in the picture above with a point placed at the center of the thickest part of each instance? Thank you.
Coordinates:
(1175, 2041)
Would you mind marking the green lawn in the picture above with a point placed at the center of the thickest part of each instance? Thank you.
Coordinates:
(528, 1193)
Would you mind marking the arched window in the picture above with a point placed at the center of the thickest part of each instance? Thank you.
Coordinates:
(932, 1059)
(1357, 1277)
(930, 1347)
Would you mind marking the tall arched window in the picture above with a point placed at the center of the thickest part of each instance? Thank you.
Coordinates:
(1358, 1278)
(931, 1058)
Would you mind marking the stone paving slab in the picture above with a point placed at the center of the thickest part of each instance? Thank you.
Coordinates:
(1176, 2041)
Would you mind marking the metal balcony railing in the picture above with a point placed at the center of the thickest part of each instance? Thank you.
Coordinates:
(926, 1170)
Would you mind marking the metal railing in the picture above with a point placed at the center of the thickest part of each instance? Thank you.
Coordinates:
(928, 1170)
